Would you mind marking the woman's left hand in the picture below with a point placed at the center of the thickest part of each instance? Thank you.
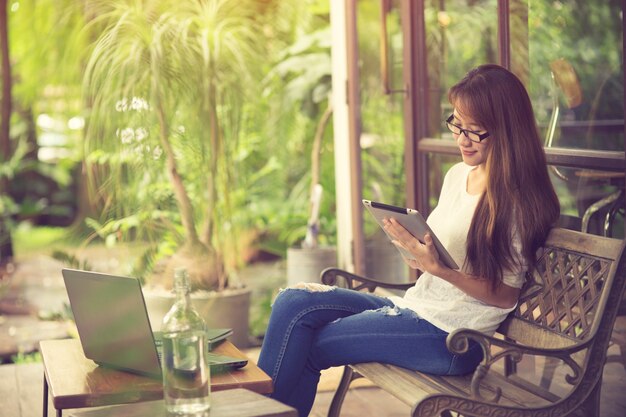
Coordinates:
(425, 254)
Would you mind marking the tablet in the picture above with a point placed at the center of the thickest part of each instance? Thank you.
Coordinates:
(412, 221)
(224, 363)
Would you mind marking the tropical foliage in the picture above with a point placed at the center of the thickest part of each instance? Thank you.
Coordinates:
(188, 144)
(169, 85)
(200, 115)
(44, 83)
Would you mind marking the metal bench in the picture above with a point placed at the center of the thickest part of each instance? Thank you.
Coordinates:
(566, 313)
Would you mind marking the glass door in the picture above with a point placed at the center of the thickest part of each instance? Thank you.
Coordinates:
(569, 54)
(382, 136)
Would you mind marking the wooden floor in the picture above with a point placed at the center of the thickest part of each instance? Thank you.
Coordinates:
(21, 389)
(21, 395)
(362, 402)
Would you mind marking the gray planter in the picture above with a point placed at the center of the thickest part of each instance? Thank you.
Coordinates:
(225, 309)
(384, 262)
(306, 264)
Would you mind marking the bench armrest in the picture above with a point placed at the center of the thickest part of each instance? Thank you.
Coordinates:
(458, 343)
(329, 277)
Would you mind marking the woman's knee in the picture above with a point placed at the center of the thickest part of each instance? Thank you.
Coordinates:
(299, 296)
(311, 287)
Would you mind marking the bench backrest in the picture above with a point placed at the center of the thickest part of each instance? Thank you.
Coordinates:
(573, 292)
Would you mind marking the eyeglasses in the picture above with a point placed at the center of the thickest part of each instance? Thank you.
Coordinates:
(470, 134)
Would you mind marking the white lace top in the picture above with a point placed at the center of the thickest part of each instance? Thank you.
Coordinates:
(438, 301)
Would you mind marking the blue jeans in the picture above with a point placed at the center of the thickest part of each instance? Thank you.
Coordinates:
(312, 330)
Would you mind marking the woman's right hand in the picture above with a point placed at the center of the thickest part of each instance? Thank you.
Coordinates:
(412, 263)
(425, 254)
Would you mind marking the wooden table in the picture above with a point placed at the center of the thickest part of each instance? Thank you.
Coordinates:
(74, 381)
(232, 403)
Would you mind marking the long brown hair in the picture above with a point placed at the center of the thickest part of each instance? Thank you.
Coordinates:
(519, 200)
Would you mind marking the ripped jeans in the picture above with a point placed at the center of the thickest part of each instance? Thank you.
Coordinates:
(317, 327)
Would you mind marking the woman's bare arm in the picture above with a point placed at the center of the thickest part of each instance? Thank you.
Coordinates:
(427, 260)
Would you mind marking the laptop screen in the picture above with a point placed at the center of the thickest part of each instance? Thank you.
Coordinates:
(112, 321)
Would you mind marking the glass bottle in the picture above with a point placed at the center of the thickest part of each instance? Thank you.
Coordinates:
(186, 378)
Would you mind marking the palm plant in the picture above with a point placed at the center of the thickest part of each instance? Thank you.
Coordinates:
(166, 81)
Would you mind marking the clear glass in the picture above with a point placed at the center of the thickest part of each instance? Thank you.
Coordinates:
(591, 201)
(460, 35)
(382, 130)
(575, 73)
(186, 378)
(382, 115)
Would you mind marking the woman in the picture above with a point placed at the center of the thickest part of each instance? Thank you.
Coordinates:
(495, 210)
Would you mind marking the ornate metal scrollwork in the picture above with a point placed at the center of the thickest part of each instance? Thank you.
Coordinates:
(330, 277)
(458, 343)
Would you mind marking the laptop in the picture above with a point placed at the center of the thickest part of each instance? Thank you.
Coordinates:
(114, 329)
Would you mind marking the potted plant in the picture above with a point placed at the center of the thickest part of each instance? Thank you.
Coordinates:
(166, 82)
(306, 262)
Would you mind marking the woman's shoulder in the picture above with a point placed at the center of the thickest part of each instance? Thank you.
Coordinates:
(458, 172)
(459, 168)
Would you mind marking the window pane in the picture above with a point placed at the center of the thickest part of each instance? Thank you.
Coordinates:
(460, 35)
(382, 130)
(591, 201)
(382, 126)
(576, 77)
(576, 72)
